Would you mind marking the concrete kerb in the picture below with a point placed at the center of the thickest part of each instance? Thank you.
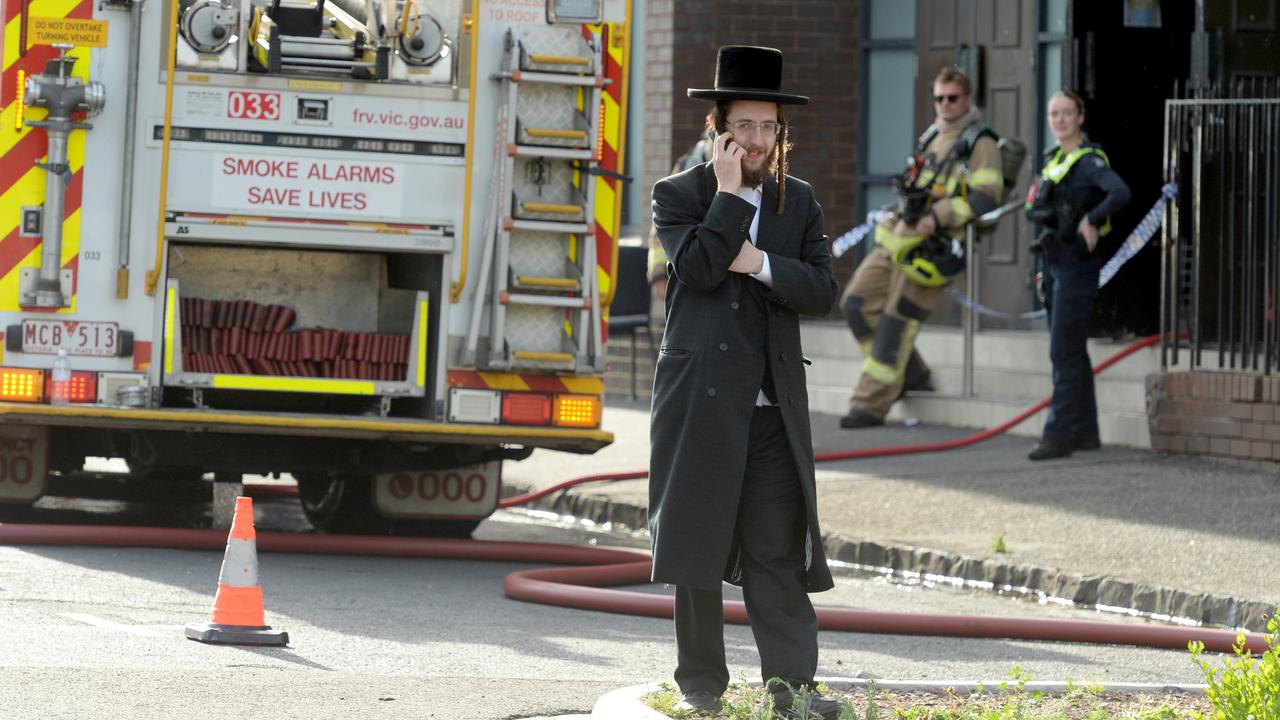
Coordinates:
(628, 703)
(1093, 590)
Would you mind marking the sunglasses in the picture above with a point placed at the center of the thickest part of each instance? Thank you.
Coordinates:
(949, 98)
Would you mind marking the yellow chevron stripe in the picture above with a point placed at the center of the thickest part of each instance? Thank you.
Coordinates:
(503, 381)
(583, 385)
(38, 8)
(10, 137)
(10, 285)
(29, 189)
(605, 198)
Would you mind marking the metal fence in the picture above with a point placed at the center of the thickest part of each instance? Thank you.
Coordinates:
(1221, 260)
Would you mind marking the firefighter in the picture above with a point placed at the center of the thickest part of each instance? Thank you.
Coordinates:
(955, 176)
(1072, 203)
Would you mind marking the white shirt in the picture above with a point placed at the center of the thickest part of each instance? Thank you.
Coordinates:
(753, 196)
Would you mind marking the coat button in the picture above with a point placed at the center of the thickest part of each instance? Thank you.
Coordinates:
(777, 311)
(791, 400)
(711, 392)
(734, 304)
(782, 357)
(724, 347)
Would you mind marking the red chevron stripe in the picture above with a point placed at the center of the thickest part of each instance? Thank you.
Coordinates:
(20, 159)
(12, 8)
(14, 248)
(37, 55)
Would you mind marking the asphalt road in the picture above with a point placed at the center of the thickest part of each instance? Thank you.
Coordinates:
(97, 632)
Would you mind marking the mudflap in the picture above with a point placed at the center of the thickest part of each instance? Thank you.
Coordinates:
(465, 492)
(24, 463)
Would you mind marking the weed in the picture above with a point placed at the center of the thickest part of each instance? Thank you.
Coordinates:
(998, 546)
(1244, 687)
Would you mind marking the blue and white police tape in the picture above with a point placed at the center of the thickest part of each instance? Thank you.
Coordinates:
(849, 240)
(1140, 235)
(968, 302)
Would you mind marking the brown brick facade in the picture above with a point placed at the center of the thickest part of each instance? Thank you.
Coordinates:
(818, 40)
(1225, 415)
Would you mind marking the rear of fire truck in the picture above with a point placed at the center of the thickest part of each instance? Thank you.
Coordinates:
(367, 243)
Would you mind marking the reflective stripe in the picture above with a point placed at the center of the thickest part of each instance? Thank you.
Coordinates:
(240, 564)
(865, 346)
(963, 212)
(986, 176)
(295, 384)
(879, 371)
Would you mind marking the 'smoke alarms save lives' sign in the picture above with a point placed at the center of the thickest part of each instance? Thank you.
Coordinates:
(265, 185)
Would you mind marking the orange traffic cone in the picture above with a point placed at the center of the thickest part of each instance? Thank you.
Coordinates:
(238, 616)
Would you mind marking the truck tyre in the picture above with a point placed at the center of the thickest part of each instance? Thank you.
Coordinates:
(344, 504)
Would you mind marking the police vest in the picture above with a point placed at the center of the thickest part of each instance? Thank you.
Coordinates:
(1040, 197)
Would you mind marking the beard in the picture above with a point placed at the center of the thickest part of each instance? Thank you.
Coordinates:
(753, 178)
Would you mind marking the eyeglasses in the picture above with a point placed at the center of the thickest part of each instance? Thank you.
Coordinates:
(949, 98)
(747, 127)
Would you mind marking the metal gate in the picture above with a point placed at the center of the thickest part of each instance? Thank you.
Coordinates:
(1221, 262)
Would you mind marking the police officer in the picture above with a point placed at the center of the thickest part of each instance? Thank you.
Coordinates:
(897, 285)
(1072, 203)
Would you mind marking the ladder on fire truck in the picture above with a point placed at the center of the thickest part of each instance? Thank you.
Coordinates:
(540, 248)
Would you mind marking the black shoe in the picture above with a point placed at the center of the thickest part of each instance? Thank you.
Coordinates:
(1089, 443)
(699, 701)
(1044, 451)
(859, 418)
(819, 707)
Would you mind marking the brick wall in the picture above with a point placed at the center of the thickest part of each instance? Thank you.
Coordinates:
(1225, 415)
(818, 40)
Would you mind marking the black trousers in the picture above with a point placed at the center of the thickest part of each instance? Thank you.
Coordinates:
(771, 536)
(1073, 411)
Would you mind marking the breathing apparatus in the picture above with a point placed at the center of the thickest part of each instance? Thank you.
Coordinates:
(928, 260)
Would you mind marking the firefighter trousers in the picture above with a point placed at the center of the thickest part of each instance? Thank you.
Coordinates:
(884, 309)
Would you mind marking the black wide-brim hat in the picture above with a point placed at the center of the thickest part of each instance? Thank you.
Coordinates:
(746, 72)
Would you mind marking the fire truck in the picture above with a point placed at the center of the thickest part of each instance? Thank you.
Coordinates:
(366, 243)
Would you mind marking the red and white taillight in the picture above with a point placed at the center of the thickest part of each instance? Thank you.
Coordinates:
(524, 408)
(35, 385)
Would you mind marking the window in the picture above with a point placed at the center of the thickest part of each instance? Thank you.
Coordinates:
(887, 106)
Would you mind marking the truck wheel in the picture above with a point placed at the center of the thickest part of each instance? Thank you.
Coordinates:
(344, 504)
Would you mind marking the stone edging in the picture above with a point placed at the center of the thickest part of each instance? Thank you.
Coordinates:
(1219, 610)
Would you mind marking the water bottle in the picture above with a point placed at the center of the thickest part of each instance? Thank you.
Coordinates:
(60, 389)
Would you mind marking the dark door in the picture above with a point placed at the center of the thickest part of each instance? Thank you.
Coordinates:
(995, 42)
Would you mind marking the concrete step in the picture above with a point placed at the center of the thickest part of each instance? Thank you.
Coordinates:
(1124, 428)
(1012, 372)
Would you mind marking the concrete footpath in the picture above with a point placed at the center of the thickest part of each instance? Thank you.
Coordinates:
(1168, 535)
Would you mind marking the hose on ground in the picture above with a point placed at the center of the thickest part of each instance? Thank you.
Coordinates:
(589, 584)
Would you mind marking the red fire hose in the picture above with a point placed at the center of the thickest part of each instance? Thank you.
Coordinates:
(587, 587)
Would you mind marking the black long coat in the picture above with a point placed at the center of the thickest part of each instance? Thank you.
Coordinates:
(712, 362)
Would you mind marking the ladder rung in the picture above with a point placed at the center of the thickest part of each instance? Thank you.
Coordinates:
(551, 208)
(550, 78)
(550, 283)
(550, 152)
(510, 298)
(559, 60)
(547, 226)
(531, 356)
(553, 133)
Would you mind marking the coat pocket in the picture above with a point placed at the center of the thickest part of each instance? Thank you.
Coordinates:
(675, 352)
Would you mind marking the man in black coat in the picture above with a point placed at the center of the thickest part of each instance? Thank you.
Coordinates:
(731, 489)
